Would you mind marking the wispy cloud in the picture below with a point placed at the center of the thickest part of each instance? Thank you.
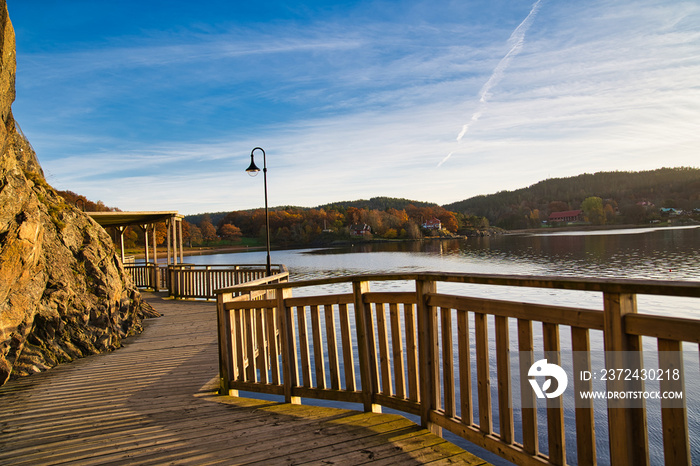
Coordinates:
(515, 42)
(356, 109)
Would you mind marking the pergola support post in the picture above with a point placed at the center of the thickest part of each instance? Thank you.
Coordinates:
(169, 239)
(181, 240)
(121, 229)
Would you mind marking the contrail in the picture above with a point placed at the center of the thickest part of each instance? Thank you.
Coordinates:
(516, 41)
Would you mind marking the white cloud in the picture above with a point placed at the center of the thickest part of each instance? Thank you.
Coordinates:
(366, 110)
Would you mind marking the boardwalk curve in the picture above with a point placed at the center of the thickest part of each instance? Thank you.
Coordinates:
(154, 402)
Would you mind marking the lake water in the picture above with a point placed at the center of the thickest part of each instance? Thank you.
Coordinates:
(648, 253)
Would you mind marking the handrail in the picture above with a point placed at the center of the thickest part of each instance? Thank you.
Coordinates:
(418, 352)
(612, 285)
(279, 267)
(191, 281)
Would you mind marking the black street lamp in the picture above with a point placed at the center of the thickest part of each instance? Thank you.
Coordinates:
(253, 171)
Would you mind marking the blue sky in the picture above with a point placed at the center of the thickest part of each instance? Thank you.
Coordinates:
(156, 105)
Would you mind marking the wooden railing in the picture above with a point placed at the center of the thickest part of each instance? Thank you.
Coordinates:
(144, 275)
(418, 352)
(188, 281)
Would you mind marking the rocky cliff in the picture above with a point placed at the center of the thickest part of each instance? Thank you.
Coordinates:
(63, 291)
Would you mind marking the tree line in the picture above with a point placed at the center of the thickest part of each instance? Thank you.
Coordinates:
(295, 226)
(299, 226)
(604, 198)
(627, 197)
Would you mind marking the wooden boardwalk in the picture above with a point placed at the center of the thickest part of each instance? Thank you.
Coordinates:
(154, 402)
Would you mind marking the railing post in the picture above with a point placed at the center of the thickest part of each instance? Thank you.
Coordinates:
(290, 373)
(153, 277)
(428, 355)
(171, 281)
(226, 344)
(362, 311)
(627, 427)
(208, 280)
(674, 413)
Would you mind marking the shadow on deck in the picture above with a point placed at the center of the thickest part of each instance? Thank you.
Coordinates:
(154, 401)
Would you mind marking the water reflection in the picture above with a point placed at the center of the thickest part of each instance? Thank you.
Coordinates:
(661, 254)
(666, 254)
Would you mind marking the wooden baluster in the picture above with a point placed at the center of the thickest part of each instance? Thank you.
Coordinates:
(585, 422)
(319, 359)
(448, 375)
(384, 355)
(674, 414)
(465, 370)
(262, 359)
(528, 399)
(428, 353)
(397, 349)
(252, 373)
(272, 348)
(483, 378)
(304, 346)
(505, 398)
(331, 341)
(409, 315)
(348, 356)
(372, 347)
(239, 330)
(555, 406)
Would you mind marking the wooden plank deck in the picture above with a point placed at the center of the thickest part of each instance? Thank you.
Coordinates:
(154, 402)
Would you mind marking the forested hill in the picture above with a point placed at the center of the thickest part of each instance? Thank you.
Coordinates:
(376, 203)
(666, 187)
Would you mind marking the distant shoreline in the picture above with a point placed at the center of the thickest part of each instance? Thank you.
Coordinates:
(595, 228)
(209, 250)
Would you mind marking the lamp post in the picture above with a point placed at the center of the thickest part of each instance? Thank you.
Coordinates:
(253, 170)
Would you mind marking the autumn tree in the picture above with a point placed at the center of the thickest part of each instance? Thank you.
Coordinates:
(448, 220)
(230, 232)
(161, 233)
(195, 236)
(186, 232)
(593, 210)
(353, 214)
(208, 231)
(130, 237)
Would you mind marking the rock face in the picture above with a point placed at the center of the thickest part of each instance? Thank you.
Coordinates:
(63, 291)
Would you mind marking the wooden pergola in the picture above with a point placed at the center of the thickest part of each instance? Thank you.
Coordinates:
(147, 222)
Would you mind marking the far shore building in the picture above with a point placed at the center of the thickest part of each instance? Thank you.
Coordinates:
(433, 224)
(360, 229)
(566, 216)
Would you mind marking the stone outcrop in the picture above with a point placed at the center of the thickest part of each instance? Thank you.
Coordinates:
(63, 291)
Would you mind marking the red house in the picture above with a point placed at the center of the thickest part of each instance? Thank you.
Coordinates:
(432, 224)
(360, 229)
(566, 216)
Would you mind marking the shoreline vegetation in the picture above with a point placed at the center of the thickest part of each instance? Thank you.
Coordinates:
(604, 200)
(138, 253)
